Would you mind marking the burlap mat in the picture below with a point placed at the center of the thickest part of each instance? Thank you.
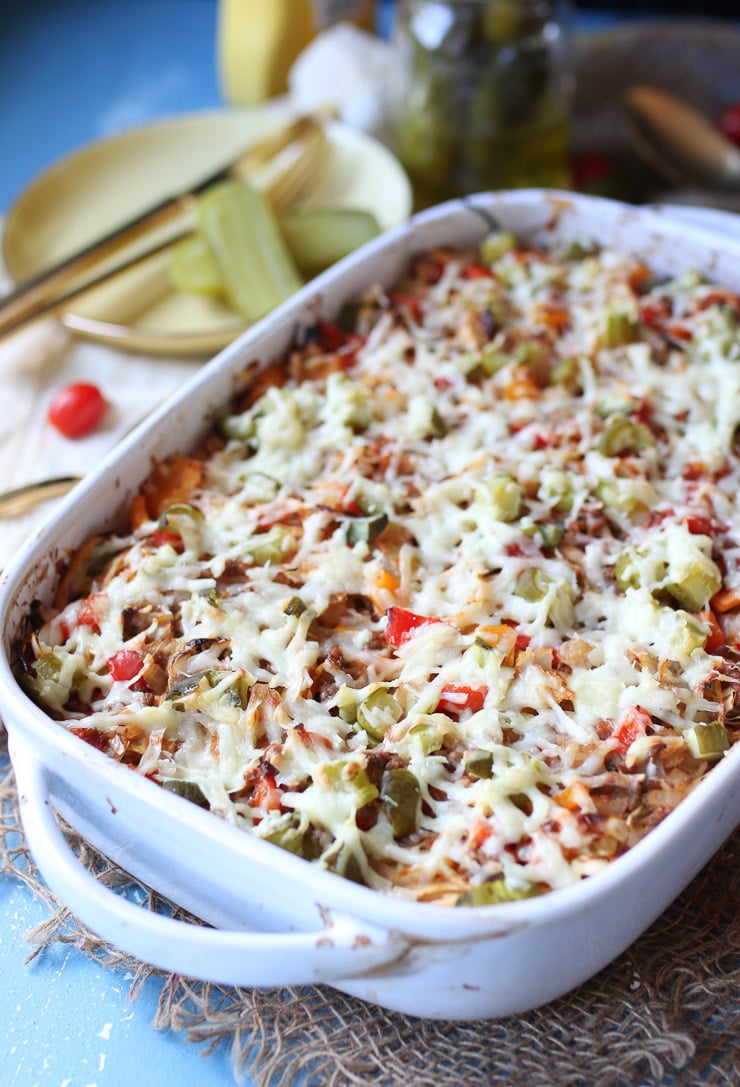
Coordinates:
(666, 1012)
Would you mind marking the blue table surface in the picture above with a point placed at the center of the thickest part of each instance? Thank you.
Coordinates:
(72, 71)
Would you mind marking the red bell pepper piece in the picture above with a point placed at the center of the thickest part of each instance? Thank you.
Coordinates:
(634, 724)
(403, 624)
(456, 698)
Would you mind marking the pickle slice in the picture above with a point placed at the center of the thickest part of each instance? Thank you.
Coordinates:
(318, 237)
(243, 232)
(193, 267)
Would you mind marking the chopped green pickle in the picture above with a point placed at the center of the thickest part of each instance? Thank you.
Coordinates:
(496, 245)
(366, 529)
(503, 496)
(623, 435)
(549, 535)
(270, 546)
(708, 741)
(295, 606)
(532, 584)
(493, 892)
(378, 712)
(479, 764)
(188, 790)
(401, 795)
(619, 329)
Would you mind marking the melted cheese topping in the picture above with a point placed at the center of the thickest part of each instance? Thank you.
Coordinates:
(432, 608)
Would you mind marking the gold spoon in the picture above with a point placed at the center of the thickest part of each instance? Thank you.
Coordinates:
(678, 142)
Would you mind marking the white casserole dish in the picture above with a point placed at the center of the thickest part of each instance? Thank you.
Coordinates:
(277, 919)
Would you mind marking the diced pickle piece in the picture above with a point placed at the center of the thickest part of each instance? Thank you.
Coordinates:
(271, 546)
(503, 496)
(341, 858)
(401, 794)
(492, 359)
(188, 790)
(479, 764)
(186, 685)
(240, 428)
(532, 584)
(295, 606)
(619, 328)
(707, 741)
(567, 372)
(496, 245)
(697, 586)
(493, 892)
(366, 529)
(180, 509)
(378, 712)
(623, 435)
(673, 562)
(549, 534)
(286, 831)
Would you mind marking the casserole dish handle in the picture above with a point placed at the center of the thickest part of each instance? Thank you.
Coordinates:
(345, 948)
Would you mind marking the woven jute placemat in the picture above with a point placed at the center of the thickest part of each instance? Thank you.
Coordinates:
(665, 1012)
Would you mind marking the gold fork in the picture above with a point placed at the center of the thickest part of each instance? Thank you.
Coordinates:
(284, 165)
(21, 499)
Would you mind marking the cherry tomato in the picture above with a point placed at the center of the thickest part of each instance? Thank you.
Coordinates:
(77, 409)
(728, 122)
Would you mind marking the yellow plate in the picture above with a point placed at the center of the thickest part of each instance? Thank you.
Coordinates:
(108, 182)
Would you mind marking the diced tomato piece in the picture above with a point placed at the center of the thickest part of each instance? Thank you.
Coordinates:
(455, 698)
(633, 724)
(410, 302)
(716, 637)
(93, 736)
(89, 613)
(265, 794)
(162, 536)
(479, 831)
(654, 312)
(543, 441)
(403, 624)
(679, 332)
(477, 271)
(522, 641)
(331, 336)
(125, 664)
(700, 526)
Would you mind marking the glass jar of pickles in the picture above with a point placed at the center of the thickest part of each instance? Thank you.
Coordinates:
(485, 89)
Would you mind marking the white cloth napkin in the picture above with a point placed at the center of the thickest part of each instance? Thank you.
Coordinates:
(34, 364)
